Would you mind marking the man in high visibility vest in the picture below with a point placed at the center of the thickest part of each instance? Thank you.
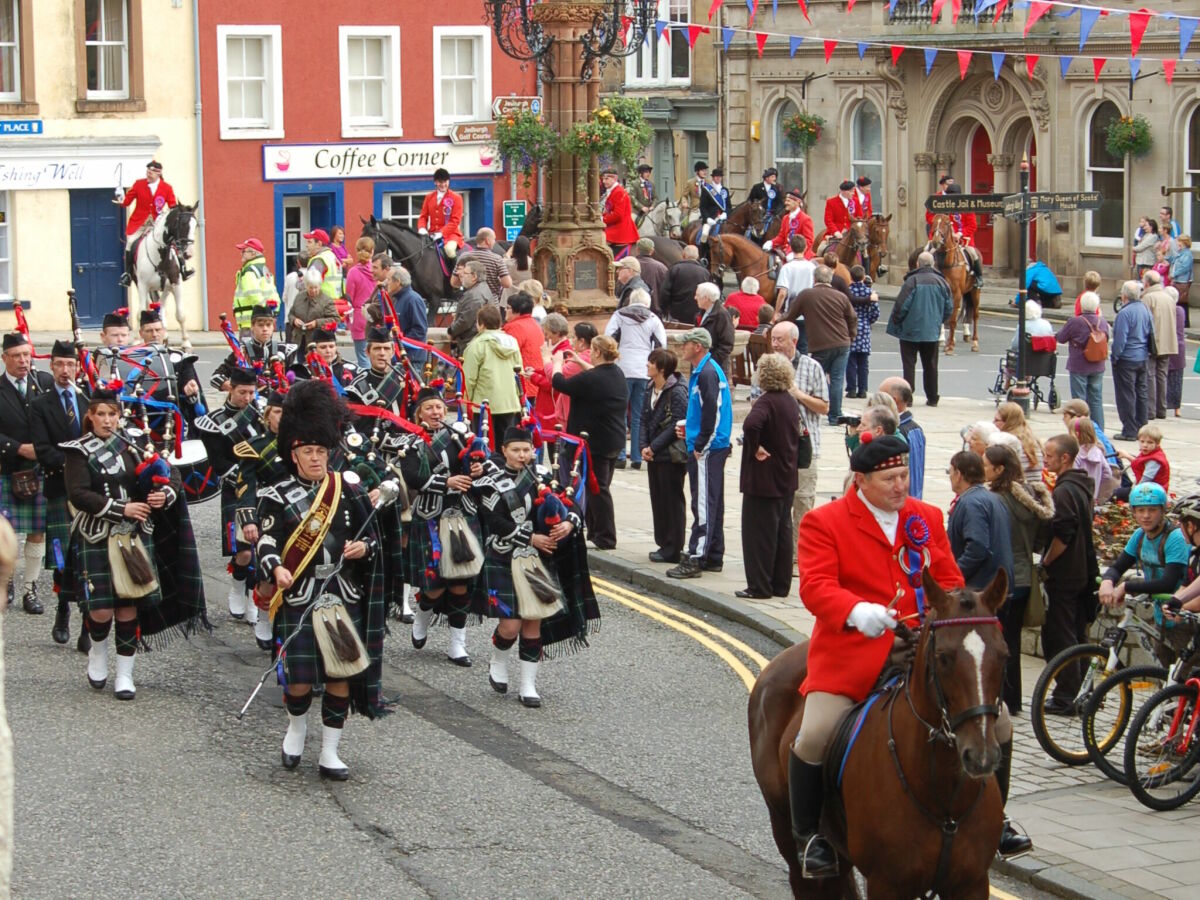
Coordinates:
(253, 285)
(321, 258)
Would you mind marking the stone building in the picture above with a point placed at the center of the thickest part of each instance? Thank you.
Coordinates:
(905, 127)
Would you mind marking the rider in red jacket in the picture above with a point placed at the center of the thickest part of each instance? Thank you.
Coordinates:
(838, 211)
(442, 214)
(619, 230)
(149, 196)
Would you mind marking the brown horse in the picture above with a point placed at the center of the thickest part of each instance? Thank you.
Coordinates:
(877, 242)
(925, 815)
(851, 248)
(953, 264)
(747, 215)
(746, 258)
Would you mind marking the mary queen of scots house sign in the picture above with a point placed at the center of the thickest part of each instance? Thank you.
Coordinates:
(403, 159)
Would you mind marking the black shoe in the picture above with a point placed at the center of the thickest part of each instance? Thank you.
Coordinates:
(881, 270)
(531, 702)
(31, 603)
(1058, 707)
(406, 618)
(619, 464)
(750, 595)
(1124, 437)
(342, 774)
(185, 273)
(264, 643)
(806, 791)
(84, 644)
(658, 557)
(636, 465)
(689, 568)
(712, 567)
(464, 661)
(289, 761)
(931, 403)
(1012, 842)
(61, 632)
(500, 687)
(125, 280)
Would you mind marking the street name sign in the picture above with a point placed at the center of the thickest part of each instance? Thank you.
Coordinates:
(20, 126)
(473, 133)
(987, 204)
(506, 106)
(1048, 202)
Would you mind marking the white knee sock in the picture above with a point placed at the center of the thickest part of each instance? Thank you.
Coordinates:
(34, 554)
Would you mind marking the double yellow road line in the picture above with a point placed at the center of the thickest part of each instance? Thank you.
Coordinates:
(729, 649)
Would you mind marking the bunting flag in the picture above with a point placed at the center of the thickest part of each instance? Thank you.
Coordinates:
(997, 65)
(1135, 66)
(892, 6)
(1137, 28)
(1088, 18)
(1064, 63)
(830, 46)
(760, 38)
(794, 44)
(1097, 64)
(726, 38)
(964, 63)
(693, 33)
(862, 49)
(1168, 69)
(849, 5)
(804, 10)
(955, 9)
(896, 51)
(930, 55)
(1031, 62)
(661, 27)
(712, 10)
(936, 10)
(1037, 9)
(1187, 27)
(1000, 7)
(626, 21)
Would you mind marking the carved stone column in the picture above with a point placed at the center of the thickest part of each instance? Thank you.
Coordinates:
(926, 165)
(1004, 234)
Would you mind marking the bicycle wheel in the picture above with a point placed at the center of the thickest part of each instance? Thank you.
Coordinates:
(1160, 760)
(1060, 731)
(1107, 712)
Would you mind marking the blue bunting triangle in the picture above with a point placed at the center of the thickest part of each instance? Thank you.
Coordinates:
(1187, 27)
(997, 65)
(862, 49)
(1088, 18)
(1064, 63)
(726, 38)
(930, 56)
(1135, 66)
(660, 26)
(794, 44)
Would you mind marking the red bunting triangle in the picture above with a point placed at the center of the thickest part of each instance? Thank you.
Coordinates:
(716, 4)
(896, 51)
(804, 11)
(760, 38)
(1098, 64)
(1137, 27)
(1168, 69)
(694, 32)
(964, 63)
(626, 21)
(936, 10)
(849, 5)
(1037, 9)
(1031, 62)
(1000, 7)
(955, 9)
(830, 46)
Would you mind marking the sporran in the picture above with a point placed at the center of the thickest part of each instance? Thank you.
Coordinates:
(132, 572)
(343, 653)
(538, 593)
(462, 557)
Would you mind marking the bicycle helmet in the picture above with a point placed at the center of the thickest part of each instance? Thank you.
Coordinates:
(1147, 494)
(1188, 508)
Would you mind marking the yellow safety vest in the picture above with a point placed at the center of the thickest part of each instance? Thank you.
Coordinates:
(253, 286)
(331, 287)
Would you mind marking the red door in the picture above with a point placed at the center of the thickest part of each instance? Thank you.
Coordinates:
(981, 183)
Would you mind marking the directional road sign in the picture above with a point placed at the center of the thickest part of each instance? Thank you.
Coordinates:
(473, 133)
(1048, 202)
(506, 106)
(987, 204)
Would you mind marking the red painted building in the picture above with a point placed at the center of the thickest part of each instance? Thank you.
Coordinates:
(317, 113)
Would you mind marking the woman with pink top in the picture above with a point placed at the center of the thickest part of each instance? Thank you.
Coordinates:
(360, 285)
(337, 244)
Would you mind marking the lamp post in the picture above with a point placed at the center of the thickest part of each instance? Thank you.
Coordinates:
(1020, 391)
(566, 39)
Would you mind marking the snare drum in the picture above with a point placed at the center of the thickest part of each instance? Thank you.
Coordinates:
(200, 482)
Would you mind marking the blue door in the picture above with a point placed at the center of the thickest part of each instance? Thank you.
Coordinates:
(97, 253)
(321, 211)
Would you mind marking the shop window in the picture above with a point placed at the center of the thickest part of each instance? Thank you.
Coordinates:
(1106, 174)
(10, 51)
(250, 81)
(462, 76)
(109, 58)
(788, 160)
(660, 61)
(370, 81)
(866, 143)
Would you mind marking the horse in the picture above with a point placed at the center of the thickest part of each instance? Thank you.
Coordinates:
(877, 243)
(667, 251)
(851, 248)
(664, 219)
(746, 216)
(918, 810)
(952, 263)
(159, 259)
(745, 257)
(418, 254)
(531, 227)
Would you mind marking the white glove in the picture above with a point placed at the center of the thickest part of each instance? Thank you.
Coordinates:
(422, 231)
(722, 217)
(709, 221)
(437, 235)
(871, 619)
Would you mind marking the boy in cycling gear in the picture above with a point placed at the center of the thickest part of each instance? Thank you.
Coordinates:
(1159, 552)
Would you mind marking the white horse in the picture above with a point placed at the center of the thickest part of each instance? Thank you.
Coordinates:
(160, 258)
(663, 220)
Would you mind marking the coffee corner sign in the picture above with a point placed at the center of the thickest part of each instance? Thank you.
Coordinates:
(399, 159)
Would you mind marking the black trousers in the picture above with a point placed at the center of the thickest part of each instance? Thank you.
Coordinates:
(1011, 614)
(707, 479)
(928, 351)
(767, 544)
(601, 516)
(1067, 617)
(668, 506)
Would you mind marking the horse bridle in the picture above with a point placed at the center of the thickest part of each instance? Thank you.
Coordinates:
(944, 732)
(176, 242)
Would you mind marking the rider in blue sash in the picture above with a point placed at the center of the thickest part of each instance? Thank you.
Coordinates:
(714, 209)
(770, 195)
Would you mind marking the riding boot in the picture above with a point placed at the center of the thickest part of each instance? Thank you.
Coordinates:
(1012, 842)
(126, 279)
(806, 789)
(977, 271)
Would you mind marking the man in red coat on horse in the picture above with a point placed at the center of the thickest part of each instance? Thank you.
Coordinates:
(862, 197)
(795, 221)
(442, 214)
(619, 230)
(149, 196)
(860, 560)
(839, 209)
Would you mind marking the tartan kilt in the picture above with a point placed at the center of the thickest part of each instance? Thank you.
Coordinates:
(228, 508)
(94, 587)
(58, 527)
(301, 662)
(25, 516)
(420, 568)
(392, 541)
(500, 594)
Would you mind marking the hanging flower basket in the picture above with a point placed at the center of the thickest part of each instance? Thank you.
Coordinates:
(1128, 135)
(803, 130)
(616, 134)
(523, 141)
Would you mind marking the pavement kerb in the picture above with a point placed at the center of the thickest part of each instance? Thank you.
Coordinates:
(1054, 878)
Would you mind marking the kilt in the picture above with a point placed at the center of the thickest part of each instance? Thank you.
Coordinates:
(500, 596)
(228, 508)
(420, 567)
(25, 516)
(94, 588)
(569, 631)
(58, 527)
(392, 545)
(301, 662)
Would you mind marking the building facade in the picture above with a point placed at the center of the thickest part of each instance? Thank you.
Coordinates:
(905, 126)
(90, 91)
(318, 114)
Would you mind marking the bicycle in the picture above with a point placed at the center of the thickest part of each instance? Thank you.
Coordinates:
(1059, 732)
(1108, 710)
(1163, 747)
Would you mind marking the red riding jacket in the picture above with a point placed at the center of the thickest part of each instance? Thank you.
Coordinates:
(837, 216)
(146, 199)
(618, 218)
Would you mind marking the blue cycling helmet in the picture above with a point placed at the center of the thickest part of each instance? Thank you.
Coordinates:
(1147, 494)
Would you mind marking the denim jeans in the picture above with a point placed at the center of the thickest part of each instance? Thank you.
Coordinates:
(360, 353)
(833, 361)
(1090, 389)
(857, 372)
(636, 391)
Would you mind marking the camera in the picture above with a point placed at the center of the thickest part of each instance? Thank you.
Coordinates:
(853, 421)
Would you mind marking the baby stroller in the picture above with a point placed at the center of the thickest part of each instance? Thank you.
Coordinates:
(1041, 362)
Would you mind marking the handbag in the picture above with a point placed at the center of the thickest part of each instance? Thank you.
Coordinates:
(25, 484)
(538, 593)
(462, 557)
(132, 572)
(1096, 348)
(1035, 609)
(677, 449)
(804, 453)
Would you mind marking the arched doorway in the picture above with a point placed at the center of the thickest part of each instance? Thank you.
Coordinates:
(980, 180)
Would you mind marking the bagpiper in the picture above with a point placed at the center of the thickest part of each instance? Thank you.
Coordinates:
(325, 362)
(320, 581)
(261, 350)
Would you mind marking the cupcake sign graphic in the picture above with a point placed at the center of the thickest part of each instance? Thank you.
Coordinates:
(283, 160)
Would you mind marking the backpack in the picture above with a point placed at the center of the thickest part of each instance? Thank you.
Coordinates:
(1096, 348)
(1157, 546)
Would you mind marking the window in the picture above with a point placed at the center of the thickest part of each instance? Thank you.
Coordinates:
(370, 80)
(250, 80)
(462, 76)
(1192, 175)
(1106, 174)
(788, 160)
(866, 143)
(10, 51)
(406, 208)
(106, 49)
(697, 144)
(665, 60)
(6, 286)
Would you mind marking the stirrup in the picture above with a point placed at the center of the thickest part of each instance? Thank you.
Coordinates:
(809, 874)
(1021, 833)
